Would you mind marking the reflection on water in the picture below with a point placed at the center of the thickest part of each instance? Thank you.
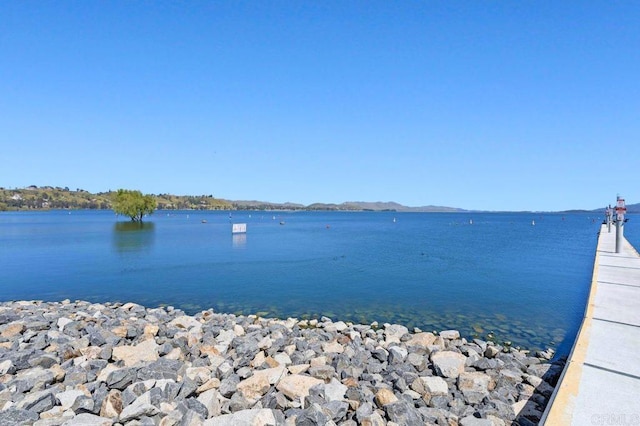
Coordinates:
(239, 241)
(133, 236)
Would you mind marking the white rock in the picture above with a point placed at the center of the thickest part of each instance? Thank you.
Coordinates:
(12, 330)
(151, 330)
(393, 332)
(225, 368)
(318, 361)
(448, 363)
(146, 351)
(417, 360)
(474, 421)
(185, 322)
(259, 359)
(216, 361)
(333, 347)
(265, 343)
(62, 321)
(533, 380)
(210, 400)
(421, 339)
(298, 368)
(172, 418)
(151, 383)
(491, 352)
(67, 398)
(297, 385)
(212, 383)
(474, 386)
(282, 358)
(374, 419)
(431, 385)
(86, 419)
(526, 408)
(495, 421)
(254, 387)
(225, 337)
(289, 349)
(511, 376)
(398, 353)
(175, 354)
(5, 366)
(91, 352)
(335, 327)
(137, 410)
(450, 334)
(334, 390)
(129, 306)
(55, 413)
(198, 374)
(256, 417)
(411, 394)
(290, 323)
(257, 385)
(104, 373)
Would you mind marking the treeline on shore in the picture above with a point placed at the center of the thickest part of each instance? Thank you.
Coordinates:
(53, 198)
(45, 198)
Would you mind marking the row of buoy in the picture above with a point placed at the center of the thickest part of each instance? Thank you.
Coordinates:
(533, 222)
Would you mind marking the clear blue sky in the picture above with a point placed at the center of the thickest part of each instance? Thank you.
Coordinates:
(481, 105)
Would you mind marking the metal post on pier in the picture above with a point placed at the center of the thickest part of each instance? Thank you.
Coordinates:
(620, 211)
(608, 217)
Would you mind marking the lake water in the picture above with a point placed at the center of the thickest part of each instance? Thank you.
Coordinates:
(499, 275)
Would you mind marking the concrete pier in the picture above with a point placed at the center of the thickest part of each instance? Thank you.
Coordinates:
(601, 381)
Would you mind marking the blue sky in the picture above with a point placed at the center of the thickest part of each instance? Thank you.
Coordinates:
(479, 105)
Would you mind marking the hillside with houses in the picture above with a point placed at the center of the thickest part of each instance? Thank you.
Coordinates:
(47, 198)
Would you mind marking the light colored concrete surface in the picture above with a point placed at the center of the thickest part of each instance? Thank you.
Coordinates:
(615, 347)
(611, 400)
(601, 382)
(621, 305)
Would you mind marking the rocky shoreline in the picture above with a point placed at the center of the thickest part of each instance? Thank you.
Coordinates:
(81, 363)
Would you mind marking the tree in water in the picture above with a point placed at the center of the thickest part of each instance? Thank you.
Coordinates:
(133, 204)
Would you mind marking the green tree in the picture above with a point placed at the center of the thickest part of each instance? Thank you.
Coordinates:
(133, 204)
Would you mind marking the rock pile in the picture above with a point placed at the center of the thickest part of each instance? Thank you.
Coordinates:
(78, 363)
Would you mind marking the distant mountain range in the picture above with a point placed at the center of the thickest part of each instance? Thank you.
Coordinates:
(48, 197)
(384, 206)
(631, 208)
(346, 206)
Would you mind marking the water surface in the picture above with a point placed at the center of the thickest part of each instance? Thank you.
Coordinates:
(519, 277)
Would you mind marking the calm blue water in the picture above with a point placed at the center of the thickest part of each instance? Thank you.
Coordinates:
(500, 275)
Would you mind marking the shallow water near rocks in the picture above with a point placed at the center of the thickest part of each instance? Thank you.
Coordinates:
(492, 275)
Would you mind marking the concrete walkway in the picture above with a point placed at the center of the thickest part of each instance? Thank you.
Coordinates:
(601, 382)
